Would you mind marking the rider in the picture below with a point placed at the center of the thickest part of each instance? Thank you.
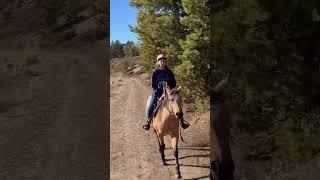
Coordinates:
(161, 75)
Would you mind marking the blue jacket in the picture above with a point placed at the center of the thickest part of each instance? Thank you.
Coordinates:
(158, 77)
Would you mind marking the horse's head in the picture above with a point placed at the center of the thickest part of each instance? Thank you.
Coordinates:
(174, 101)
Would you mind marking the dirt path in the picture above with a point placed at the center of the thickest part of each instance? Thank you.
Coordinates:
(134, 154)
(55, 129)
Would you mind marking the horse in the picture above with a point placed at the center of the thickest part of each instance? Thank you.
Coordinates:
(166, 122)
(222, 166)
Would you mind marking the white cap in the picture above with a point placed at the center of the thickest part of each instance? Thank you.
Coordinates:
(161, 56)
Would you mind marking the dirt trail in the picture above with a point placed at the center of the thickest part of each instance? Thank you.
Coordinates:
(55, 128)
(133, 152)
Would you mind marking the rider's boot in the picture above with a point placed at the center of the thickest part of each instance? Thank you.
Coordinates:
(146, 125)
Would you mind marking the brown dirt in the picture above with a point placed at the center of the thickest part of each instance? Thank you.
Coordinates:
(52, 123)
(134, 153)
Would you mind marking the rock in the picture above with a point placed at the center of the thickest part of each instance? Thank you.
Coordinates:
(136, 70)
(130, 68)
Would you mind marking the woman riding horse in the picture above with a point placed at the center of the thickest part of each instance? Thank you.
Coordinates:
(161, 76)
(166, 122)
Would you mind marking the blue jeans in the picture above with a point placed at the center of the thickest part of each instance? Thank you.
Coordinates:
(151, 106)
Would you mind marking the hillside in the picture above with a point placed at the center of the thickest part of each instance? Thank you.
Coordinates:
(53, 124)
(30, 23)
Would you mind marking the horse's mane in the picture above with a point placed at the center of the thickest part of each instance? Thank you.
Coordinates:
(165, 99)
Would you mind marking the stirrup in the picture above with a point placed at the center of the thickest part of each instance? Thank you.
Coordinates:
(146, 125)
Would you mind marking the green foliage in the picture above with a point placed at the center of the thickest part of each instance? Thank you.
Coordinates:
(130, 49)
(202, 105)
(193, 71)
(125, 64)
(159, 30)
(163, 27)
(116, 49)
(119, 50)
(268, 49)
(297, 143)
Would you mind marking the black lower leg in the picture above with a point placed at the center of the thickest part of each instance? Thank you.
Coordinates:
(176, 155)
(162, 147)
(226, 170)
(214, 173)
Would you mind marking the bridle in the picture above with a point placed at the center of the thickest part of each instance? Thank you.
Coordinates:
(166, 97)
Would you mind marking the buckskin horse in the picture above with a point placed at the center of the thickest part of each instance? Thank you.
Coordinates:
(165, 122)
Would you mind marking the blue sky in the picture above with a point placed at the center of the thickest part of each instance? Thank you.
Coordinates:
(121, 15)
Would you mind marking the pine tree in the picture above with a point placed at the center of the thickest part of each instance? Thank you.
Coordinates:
(116, 49)
(130, 49)
(192, 72)
(159, 30)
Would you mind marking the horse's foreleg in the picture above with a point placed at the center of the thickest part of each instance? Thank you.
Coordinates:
(174, 142)
(157, 137)
(161, 149)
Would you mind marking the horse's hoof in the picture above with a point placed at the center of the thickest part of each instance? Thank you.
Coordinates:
(178, 176)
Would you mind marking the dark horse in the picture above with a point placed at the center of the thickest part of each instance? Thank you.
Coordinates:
(222, 166)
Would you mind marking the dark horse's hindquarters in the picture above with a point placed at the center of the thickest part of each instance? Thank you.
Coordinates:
(220, 122)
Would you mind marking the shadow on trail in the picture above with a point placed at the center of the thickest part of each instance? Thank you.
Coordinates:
(196, 155)
(194, 148)
(190, 165)
(201, 177)
(198, 166)
(191, 156)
